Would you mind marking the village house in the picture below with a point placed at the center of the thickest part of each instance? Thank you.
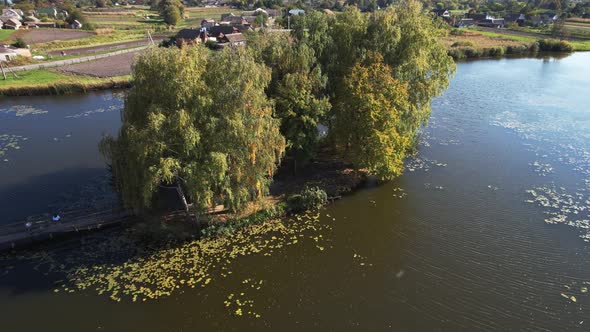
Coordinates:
(230, 40)
(7, 54)
(207, 23)
(11, 23)
(465, 22)
(515, 18)
(441, 13)
(76, 25)
(221, 30)
(12, 13)
(492, 23)
(189, 36)
(296, 12)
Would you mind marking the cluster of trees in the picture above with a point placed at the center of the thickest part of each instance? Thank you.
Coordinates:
(172, 11)
(215, 125)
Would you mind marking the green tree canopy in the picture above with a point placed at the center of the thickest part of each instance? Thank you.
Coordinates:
(196, 120)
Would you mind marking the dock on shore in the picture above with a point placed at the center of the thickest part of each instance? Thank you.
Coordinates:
(42, 227)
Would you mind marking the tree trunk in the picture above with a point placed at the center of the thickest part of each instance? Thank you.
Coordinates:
(186, 206)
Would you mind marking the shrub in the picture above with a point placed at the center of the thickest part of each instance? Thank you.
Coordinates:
(456, 54)
(20, 43)
(462, 43)
(496, 51)
(553, 45)
(231, 226)
(457, 32)
(471, 52)
(309, 198)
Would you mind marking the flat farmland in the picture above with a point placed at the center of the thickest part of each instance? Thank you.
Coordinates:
(38, 36)
(118, 65)
(196, 14)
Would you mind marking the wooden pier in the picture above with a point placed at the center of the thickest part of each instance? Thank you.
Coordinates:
(42, 227)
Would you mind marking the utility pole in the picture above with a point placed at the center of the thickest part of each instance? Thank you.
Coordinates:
(2, 68)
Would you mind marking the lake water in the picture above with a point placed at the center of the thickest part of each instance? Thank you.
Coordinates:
(486, 230)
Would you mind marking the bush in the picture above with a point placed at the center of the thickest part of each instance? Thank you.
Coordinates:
(20, 43)
(310, 198)
(457, 32)
(553, 45)
(462, 43)
(231, 226)
(471, 52)
(456, 54)
(496, 51)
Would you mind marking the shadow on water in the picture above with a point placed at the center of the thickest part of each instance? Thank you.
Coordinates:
(46, 193)
(46, 265)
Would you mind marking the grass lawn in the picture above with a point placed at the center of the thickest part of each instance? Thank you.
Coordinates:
(5, 34)
(583, 45)
(35, 79)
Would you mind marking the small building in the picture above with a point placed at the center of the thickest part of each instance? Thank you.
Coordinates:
(296, 12)
(465, 22)
(76, 25)
(492, 23)
(207, 23)
(189, 36)
(7, 54)
(220, 30)
(258, 11)
(441, 13)
(12, 13)
(235, 39)
(515, 18)
(12, 23)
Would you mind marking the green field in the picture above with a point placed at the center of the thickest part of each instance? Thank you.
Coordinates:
(5, 34)
(582, 45)
(35, 80)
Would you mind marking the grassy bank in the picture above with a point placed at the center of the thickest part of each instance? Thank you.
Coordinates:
(47, 82)
(470, 44)
(579, 45)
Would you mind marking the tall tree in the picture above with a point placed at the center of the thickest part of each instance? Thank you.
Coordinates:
(369, 123)
(297, 88)
(407, 40)
(197, 121)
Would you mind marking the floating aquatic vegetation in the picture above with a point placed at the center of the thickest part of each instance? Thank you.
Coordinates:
(399, 193)
(22, 110)
(415, 163)
(563, 208)
(122, 267)
(360, 260)
(111, 108)
(543, 169)
(239, 304)
(10, 142)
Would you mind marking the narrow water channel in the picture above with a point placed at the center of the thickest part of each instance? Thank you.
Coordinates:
(486, 230)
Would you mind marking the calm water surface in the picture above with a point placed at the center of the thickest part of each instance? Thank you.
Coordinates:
(488, 230)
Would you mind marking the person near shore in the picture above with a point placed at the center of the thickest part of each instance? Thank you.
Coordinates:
(56, 218)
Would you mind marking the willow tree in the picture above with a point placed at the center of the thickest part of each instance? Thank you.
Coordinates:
(297, 89)
(199, 122)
